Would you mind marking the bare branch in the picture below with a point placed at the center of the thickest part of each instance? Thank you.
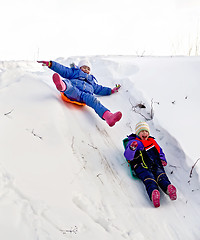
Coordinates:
(34, 134)
(193, 167)
(5, 114)
(72, 145)
(140, 106)
(152, 112)
(92, 146)
(72, 230)
(98, 176)
(173, 166)
(140, 55)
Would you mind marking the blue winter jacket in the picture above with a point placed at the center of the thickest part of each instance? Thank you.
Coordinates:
(83, 81)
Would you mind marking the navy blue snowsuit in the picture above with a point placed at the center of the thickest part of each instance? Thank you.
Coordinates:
(146, 162)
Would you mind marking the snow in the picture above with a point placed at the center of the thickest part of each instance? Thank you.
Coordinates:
(62, 170)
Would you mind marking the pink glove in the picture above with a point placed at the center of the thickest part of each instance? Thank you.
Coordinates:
(164, 163)
(45, 63)
(116, 89)
(133, 145)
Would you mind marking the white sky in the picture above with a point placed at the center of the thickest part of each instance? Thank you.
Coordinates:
(47, 29)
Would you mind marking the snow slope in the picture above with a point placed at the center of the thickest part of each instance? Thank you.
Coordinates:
(62, 170)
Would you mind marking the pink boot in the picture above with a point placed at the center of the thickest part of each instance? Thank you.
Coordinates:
(60, 85)
(112, 118)
(155, 197)
(171, 191)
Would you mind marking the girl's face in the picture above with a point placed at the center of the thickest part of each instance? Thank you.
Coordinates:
(144, 135)
(85, 69)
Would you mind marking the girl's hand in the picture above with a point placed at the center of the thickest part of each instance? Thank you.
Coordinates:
(133, 145)
(44, 63)
(164, 163)
(116, 88)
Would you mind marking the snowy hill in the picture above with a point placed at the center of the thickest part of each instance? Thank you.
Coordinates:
(62, 170)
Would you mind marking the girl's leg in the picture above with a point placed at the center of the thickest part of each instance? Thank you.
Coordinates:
(163, 181)
(102, 111)
(165, 184)
(94, 103)
(74, 93)
(150, 183)
(60, 85)
(66, 87)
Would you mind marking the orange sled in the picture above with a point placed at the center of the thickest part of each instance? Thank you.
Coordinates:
(66, 99)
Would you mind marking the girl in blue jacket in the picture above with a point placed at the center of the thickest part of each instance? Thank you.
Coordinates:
(147, 159)
(79, 85)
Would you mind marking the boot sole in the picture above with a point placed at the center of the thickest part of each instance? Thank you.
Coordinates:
(58, 82)
(155, 197)
(171, 191)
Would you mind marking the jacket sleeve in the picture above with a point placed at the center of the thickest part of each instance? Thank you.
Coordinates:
(63, 71)
(162, 155)
(100, 90)
(129, 154)
(160, 151)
